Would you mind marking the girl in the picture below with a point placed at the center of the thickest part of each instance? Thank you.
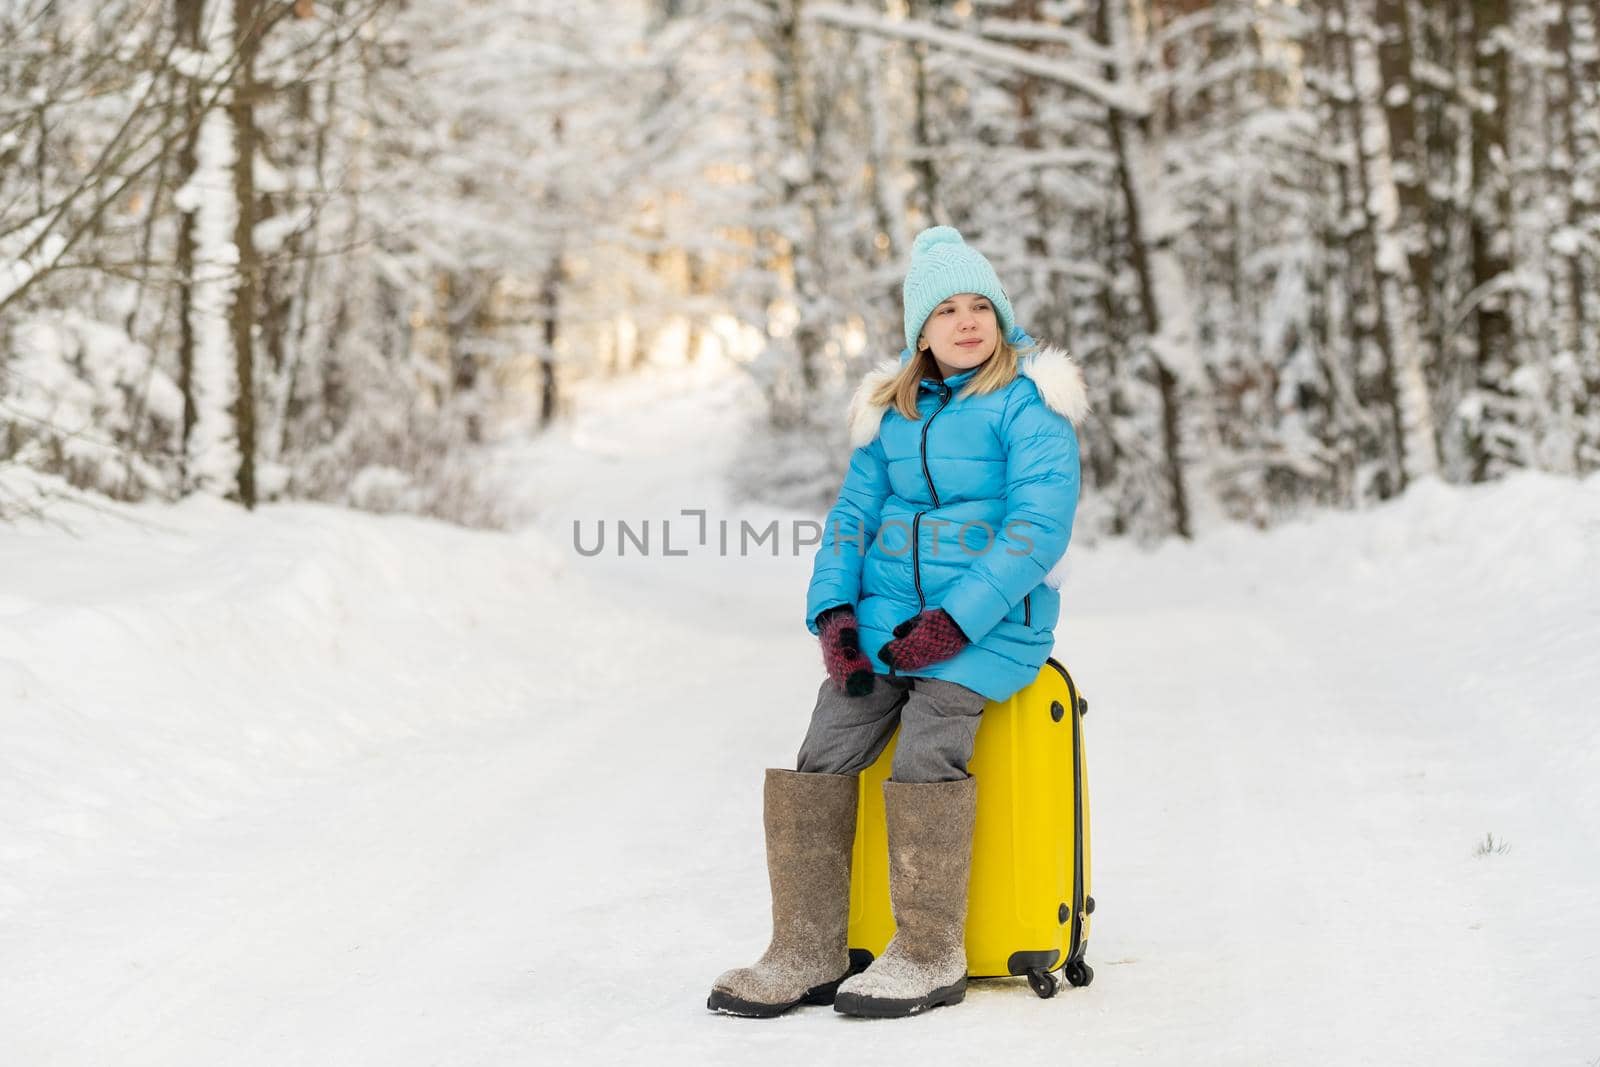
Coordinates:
(932, 591)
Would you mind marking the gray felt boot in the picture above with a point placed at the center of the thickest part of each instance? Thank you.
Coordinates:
(811, 828)
(930, 861)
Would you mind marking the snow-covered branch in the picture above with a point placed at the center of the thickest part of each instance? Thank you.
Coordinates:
(1127, 99)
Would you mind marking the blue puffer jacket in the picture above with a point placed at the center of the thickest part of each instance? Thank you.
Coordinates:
(923, 498)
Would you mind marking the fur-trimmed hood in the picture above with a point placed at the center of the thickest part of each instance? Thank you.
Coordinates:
(1058, 378)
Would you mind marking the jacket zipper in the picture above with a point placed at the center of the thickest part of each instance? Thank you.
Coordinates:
(944, 393)
(916, 520)
(916, 567)
(1027, 610)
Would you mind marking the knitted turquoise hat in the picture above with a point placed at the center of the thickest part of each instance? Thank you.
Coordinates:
(942, 265)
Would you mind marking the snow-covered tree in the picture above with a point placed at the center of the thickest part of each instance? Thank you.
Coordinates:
(1308, 251)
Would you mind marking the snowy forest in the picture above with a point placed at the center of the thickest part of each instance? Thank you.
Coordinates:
(1308, 253)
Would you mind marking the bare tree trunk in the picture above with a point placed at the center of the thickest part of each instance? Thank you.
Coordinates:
(1400, 226)
(186, 15)
(1418, 346)
(1491, 216)
(801, 188)
(550, 298)
(247, 42)
(873, 58)
(1574, 36)
(218, 199)
(927, 183)
(1347, 337)
(696, 270)
(1110, 464)
(1583, 101)
(1166, 380)
(465, 299)
(1051, 305)
(1443, 115)
(290, 403)
(1383, 334)
(1407, 168)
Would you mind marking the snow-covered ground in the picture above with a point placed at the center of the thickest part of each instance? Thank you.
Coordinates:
(312, 787)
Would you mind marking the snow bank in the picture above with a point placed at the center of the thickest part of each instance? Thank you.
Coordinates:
(318, 786)
(162, 665)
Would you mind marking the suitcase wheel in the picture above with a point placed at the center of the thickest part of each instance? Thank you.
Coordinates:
(1044, 983)
(1078, 973)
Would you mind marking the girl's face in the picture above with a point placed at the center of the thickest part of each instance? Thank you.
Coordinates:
(962, 332)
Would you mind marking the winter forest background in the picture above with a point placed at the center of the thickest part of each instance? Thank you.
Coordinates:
(1308, 253)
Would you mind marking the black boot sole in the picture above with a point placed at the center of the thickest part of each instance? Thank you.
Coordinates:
(728, 1004)
(884, 1008)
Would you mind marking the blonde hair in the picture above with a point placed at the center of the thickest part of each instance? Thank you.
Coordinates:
(994, 373)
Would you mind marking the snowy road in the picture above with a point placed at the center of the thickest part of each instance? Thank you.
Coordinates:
(383, 792)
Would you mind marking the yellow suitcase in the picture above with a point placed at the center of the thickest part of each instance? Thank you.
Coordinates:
(1029, 905)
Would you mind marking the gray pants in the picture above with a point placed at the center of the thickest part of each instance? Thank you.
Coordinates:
(938, 721)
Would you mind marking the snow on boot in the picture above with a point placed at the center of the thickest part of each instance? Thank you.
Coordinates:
(811, 828)
(930, 861)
